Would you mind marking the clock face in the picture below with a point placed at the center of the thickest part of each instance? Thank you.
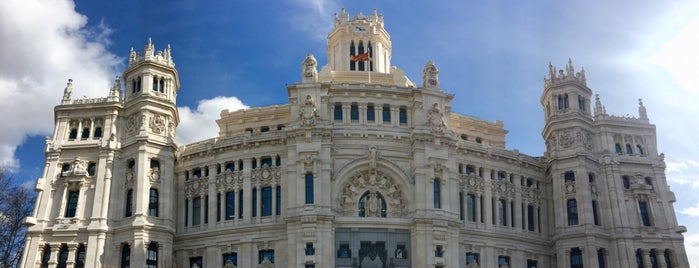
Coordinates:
(359, 29)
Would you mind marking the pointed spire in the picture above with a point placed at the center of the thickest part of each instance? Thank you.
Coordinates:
(570, 71)
(149, 49)
(552, 71)
(116, 88)
(642, 113)
(599, 109)
(68, 91)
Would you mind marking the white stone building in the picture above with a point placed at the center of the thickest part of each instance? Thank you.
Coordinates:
(361, 168)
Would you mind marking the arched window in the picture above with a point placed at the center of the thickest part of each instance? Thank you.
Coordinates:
(371, 56)
(97, 133)
(572, 205)
(653, 258)
(569, 176)
(595, 212)
(153, 203)
(231, 257)
(469, 169)
(361, 51)
(91, 167)
(436, 192)
(309, 188)
(73, 134)
(639, 258)
(85, 134)
(128, 207)
(372, 205)
(639, 149)
(601, 259)
(352, 53)
(266, 254)
(354, 111)
(62, 256)
(370, 113)
(576, 258)
(72, 204)
(667, 255)
(278, 161)
(617, 148)
(155, 83)
(626, 181)
(152, 256)
(581, 103)
(46, 256)
(80, 256)
(125, 256)
(629, 151)
(386, 113)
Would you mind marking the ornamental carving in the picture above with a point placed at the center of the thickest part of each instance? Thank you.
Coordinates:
(310, 72)
(77, 168)
(229, 264)
(266, 175)
(504, 188)
(532, 195)
(435, 120)
(372, 156)
(196, 187)
(566, 139)
(157, 124)
(570, 187)
(376, 184)
(154, 175)
(472, 265)
(133, 122)
(229, 180)
(309, 112)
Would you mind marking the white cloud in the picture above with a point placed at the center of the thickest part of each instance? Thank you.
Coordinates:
(683, 172)
(200, 124)
(314, 17)
(678, 56)
(691, 211)
(44, 44)
(691, 246)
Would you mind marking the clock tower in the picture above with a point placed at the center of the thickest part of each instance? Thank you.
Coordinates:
(357, 36)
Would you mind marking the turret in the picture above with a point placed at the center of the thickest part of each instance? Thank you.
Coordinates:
(359, 44)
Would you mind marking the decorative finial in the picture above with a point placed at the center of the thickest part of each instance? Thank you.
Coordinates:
(642, 110)
(599, 110)
(116, 88)
(68, 91)
(570, 71)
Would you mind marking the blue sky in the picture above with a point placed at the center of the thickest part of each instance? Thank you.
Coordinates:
(491, 55)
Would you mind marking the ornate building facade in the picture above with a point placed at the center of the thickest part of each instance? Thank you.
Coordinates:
(361, 168)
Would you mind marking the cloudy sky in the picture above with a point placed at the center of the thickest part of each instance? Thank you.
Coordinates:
(492, 56)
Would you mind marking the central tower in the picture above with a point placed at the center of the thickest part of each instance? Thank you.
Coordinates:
(356, 36)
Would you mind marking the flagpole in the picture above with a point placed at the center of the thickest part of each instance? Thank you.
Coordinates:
(369, 64)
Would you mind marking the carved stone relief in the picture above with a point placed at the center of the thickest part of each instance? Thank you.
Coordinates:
(308, 113)
(157, 124)
(375, 183)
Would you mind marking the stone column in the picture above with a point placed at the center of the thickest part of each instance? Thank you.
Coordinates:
(72, 247)
(258, 197)
(346, 113)
(274, 200)
(660, 258)
(55, 249)
(488, 206)
(562, 256)
(646, 258)
(478, 205)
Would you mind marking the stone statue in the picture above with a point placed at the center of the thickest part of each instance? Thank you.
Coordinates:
(430, 75)
(373, 155)
(310, 72)
(229, 264)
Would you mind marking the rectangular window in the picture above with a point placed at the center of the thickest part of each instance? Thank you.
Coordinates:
(254, 202)
(403, 115)
(572, 207)
(62, 256)
(461, 206)
(72, 204)
(196, 211)
(472, 258)
(386, 113)
(309, 188)
(266, 254)
(196, 262)
(128, 207)
(240, 204)
(266, 161)
(153, 203)
(218, 207)
(530, 217)
(531, 264)
(354, 112)
(230, 166)
(436, 193)
(230, 258)
(230, 205)
(125, 255)
(152, 255)
(206, 209)
(279, 200)
(502, 212)
(186, 212)
(576, 258)
(595, 212)
(337, 112)
(98, 132)
(602, 263)
(370, 113)
(471, 207)
(310, 251)
(73, 134)
(645, 215)
(267, 201)
(569, 176)
(504, 260)
(85, 134)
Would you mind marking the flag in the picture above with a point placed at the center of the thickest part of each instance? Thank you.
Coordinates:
(361, 57)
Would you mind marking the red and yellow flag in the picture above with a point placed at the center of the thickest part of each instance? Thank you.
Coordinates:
(361, 57)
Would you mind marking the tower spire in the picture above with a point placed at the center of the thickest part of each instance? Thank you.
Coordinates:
(68, 91)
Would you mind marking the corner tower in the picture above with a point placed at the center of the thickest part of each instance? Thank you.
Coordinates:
(143, 195)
